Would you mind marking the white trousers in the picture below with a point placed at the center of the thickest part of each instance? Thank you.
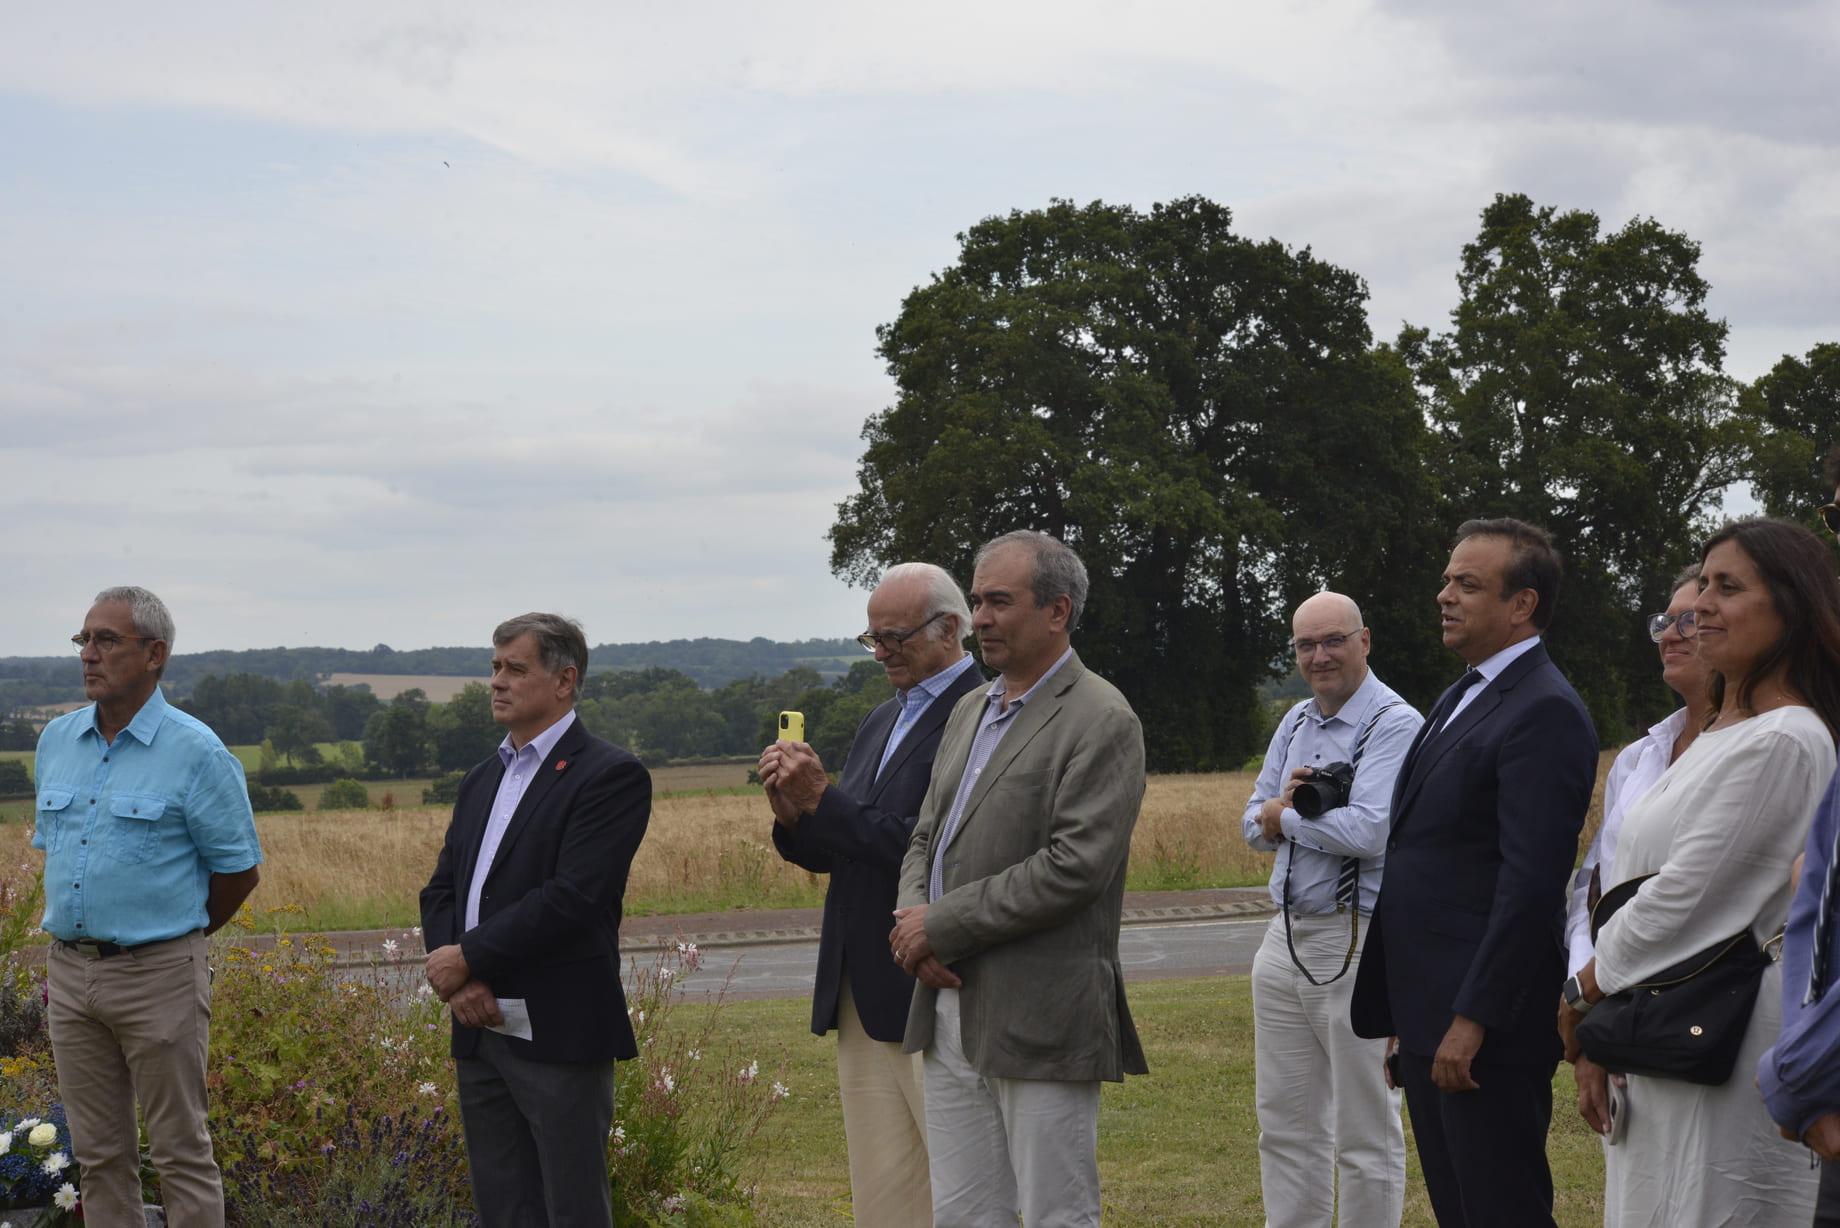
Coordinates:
(884, 1121)
(1326, 1117)
(1007, 1147)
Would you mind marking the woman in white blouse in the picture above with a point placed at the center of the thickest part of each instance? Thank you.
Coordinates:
(1638, 766)
(1718, 831)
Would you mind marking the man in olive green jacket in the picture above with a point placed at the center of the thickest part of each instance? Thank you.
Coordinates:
(1010, 900)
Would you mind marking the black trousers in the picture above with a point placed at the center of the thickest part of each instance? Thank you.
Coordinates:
(1484, 1152)
(536, 1138)
(1827, 1204)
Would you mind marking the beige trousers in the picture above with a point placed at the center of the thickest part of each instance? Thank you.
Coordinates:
(136, 1026)
(884, 1122)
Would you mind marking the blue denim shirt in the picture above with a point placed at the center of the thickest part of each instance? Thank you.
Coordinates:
(133, 831)
(1800, 1074)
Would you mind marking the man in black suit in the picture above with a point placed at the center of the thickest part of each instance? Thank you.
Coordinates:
(857, 831)
(1466, 951)
(522, 925)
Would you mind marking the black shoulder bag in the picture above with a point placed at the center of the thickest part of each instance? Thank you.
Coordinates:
(1687, 1021)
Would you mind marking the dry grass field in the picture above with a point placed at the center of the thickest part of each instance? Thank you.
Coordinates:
(707, 851)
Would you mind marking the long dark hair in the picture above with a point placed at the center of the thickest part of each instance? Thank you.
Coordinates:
(1799, 573)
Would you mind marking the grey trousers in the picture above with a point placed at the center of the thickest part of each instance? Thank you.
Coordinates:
(536, 1138)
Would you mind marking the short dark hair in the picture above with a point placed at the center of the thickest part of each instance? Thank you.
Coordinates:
(1057, 572)
(560, 642)
(1535, 563)
(1798, 570)
(1830, 468)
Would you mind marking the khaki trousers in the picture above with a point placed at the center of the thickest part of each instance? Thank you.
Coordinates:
(884, 1121)
(137, 1026)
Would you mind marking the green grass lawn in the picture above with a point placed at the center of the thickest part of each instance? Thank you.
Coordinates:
(1179, 1147)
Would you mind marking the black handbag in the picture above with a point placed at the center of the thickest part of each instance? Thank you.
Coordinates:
(1687, 1021)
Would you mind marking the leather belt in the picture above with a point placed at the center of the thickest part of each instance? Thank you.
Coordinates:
(90, 948)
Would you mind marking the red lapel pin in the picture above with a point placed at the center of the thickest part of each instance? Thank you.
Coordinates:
(561, 763)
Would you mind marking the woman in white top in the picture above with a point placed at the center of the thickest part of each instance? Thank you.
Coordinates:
(1637, 768)
(1718, 831)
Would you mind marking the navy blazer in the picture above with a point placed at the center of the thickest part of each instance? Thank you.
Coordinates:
(549, 912)
(858, 836)
(1470, 918)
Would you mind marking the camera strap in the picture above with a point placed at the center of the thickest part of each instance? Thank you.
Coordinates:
(1348, 877)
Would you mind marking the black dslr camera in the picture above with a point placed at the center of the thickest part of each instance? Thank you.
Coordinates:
(1324, 789)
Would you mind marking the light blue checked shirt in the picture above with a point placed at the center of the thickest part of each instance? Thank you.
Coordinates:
(1312, 856)
(915, 700)
(133, 829)
(991, 727)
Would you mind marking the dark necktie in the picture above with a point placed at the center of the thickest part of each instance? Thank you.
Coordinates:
(1468, 680)
(1823, 927)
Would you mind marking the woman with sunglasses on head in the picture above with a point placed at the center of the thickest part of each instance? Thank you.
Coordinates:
(1638, 766)
(1707, 851)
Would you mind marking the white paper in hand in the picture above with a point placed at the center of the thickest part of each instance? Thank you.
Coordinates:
(517, 1018)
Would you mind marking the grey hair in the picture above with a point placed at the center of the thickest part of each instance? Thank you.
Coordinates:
(1688, 575)
(1058, 571)
(560, 642)
(943, 596)
(147, 612)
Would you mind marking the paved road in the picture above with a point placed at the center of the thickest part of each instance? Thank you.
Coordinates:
(1149, 952)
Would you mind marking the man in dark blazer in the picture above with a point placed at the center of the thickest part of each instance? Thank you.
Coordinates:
(522, 924)
(1466, 952)
(857, 832)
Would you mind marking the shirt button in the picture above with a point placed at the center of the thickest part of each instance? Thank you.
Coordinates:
(92, 801)
(76, 886)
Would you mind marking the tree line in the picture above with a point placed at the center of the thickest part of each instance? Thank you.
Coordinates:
(1210, 422)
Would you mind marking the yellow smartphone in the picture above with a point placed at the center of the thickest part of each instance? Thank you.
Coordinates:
(792, 726)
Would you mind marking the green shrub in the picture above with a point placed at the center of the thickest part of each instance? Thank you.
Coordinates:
(264, 798)
(346, 794)
(444, 791)
(14, 779)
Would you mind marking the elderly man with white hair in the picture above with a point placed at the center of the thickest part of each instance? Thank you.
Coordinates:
(1326, 1114)
(857, 832)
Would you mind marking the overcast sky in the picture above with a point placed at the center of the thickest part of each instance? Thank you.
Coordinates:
(354, 322)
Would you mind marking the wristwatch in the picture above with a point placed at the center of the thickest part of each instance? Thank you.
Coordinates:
(1574, 996)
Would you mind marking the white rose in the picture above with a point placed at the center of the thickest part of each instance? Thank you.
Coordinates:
(43, 1134)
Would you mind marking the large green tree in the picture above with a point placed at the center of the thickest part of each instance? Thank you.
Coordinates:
(1795, 411)
(396, 737)
(1580, 387)
(1200, 415)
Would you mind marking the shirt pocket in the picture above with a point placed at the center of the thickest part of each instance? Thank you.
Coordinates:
(54, 816)
(134, 825)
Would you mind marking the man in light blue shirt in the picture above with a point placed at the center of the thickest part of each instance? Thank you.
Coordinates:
(149, 845)
(1323, 1106)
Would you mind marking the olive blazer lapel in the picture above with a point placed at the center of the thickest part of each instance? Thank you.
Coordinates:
(1036, 714)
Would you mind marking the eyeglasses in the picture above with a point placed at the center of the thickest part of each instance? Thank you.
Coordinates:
(1307, 648)
(1683, 623)
(891, 641)
(1830, 516)
(105, 641)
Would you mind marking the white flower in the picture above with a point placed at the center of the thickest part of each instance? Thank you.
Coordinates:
(665, 1083)
(674, 1204)
(617, 1134)
(44, 1134)
(66, 1197)
(428, 1089)
(26, 1124)
(425, 991)
(665, 975)
(781, 1091)
(416, 930)
(6, 1145)
(55, 1163)
(640, 1016)
(389, 946)
(749, 1072)
(696, 1055)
